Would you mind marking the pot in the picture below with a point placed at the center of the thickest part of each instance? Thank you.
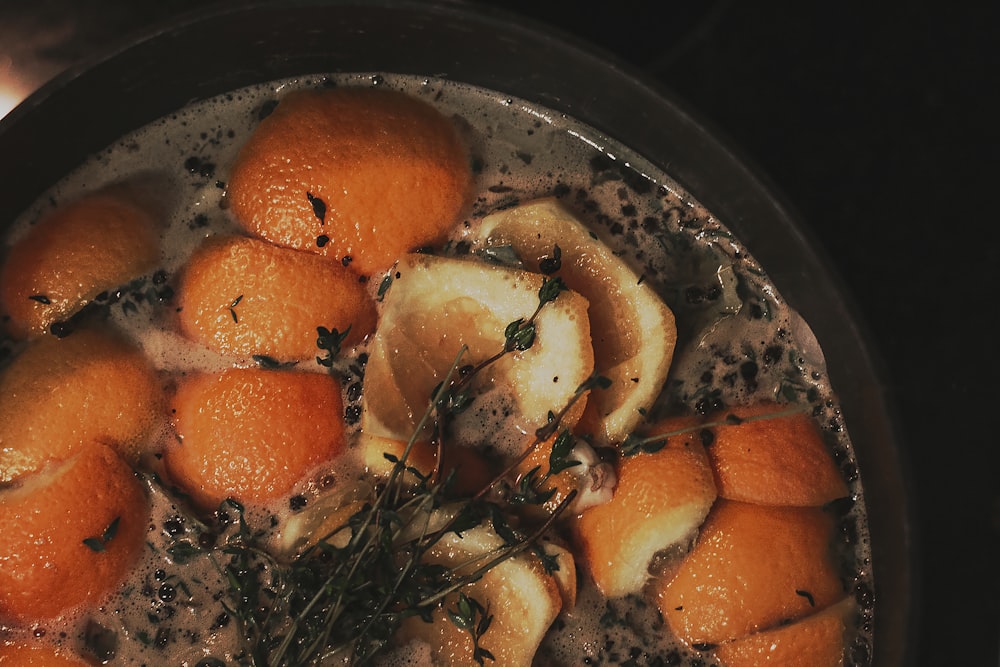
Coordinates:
(209, 52)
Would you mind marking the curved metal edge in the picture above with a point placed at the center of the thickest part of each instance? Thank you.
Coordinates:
(148, 76)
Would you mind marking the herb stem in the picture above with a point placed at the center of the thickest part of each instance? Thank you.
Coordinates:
(504, 553)
(542, 434)
(635, 444)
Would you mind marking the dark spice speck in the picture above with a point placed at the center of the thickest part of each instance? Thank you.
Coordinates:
(352, 414)
(197, 165)
(60, 329)
(266, 109)
(354, 391)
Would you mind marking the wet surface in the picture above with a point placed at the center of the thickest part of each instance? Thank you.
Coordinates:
(877, 126)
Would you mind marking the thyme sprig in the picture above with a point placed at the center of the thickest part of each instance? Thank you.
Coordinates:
(453, 397)
(348, 601)
(97, 543)
(471, 616)
(519, 335)
(636, 444)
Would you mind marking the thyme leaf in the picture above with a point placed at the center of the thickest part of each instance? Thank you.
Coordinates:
(383, 287)
(99, 543)
(232, 308)
(551, 264)
(519, 335)
(550, 289)
(329, 340)
(561, 449)
(470, 615)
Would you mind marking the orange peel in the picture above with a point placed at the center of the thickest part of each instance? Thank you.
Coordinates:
(70, 256)
(362, 175)
(69, 534)
(242, 296)
(252, 434)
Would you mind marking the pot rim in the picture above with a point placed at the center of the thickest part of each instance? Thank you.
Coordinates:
(159, 70)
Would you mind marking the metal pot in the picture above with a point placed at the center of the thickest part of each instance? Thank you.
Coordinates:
(209, 52)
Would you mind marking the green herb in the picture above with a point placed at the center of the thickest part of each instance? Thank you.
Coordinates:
(329, 340)
(502, 255)
(232, 308)
(98, 543)
(384, 286)
(551, 264)
(635, 444)
(348, 601)
(519, 336)
(94, 543)
(470, 616)
(550, 289)
(561, 449)
(184, 551)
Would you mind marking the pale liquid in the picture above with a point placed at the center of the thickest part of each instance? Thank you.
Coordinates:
(732, 347)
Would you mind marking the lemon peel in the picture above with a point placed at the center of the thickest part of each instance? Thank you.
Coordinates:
(633, 330)
(435, 306)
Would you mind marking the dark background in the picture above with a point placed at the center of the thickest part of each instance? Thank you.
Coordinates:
(877, 124)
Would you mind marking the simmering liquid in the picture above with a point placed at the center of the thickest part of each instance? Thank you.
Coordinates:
(738, 342)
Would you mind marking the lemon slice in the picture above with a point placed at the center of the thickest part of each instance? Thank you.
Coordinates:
(437, 305)
(632, 328)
